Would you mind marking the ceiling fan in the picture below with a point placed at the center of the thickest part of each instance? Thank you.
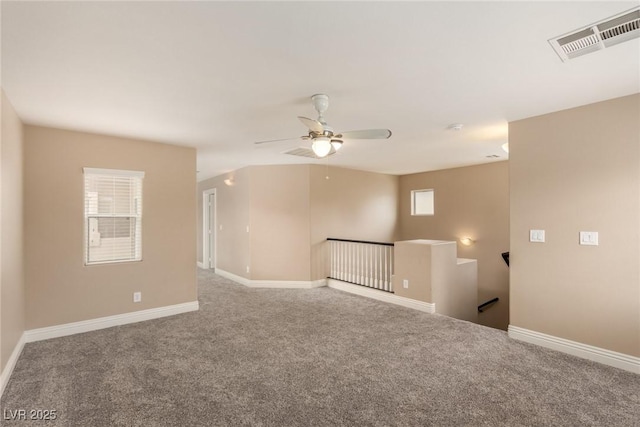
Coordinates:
(324, 141)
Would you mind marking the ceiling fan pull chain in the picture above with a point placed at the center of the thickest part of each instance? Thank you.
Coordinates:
(326, 176)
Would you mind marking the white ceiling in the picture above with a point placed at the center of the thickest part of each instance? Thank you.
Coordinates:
(220, 75)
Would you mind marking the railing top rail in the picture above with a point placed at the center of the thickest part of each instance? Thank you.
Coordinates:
(359, 241)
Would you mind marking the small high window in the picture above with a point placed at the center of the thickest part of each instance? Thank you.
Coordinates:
(112, 216)
(422, 202)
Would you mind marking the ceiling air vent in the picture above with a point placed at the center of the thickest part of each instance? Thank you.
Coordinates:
(603, 34)
(307, 152)
(302, 152)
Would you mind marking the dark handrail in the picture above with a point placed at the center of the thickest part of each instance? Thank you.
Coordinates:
(505, 257)
(360, 241)
(484, 304)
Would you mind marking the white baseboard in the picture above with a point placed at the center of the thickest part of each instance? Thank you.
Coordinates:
(282, 284)
(600, 355)
(40, 334)
(200, 264)
(11, 363)
(427, 307)
(231, 276)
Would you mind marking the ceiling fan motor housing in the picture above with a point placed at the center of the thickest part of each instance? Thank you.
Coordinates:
(320, 103)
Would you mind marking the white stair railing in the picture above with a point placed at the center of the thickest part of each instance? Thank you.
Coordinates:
(362, 263)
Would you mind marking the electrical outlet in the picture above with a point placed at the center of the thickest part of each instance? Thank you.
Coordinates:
(137, 297)
(405, 284)
(247, 268)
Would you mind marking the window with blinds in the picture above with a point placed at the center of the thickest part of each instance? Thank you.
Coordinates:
(112, 216)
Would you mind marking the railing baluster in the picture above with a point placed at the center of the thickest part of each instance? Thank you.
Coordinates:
(354, 264)
(386, 269)
(351, 266)
(336, 259)
(381, 256)
(342, 262)
(364, 265)
(367, 274)
(375, 266)
(346, 262)
(339, 250)
(378, 271)
(389, 256)
(357, 263)
(392, 261)
(361, 278)
(339, 260)
(361, 282)
(332, 264)
(383, 268)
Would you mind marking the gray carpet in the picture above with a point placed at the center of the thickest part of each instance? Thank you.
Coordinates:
(273, 357)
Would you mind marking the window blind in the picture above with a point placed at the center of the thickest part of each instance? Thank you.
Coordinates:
(112, 215)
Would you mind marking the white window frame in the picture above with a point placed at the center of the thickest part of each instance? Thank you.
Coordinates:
(415, 205)
(90, 206)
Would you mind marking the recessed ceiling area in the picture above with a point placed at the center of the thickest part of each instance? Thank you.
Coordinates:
(220, 76)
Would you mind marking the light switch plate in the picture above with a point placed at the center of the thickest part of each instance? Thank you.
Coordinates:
(536, 236)
(589, 238)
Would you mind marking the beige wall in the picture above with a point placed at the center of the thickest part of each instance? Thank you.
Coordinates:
(291, 210)
(434, 274)
(354, 204)
(571, 171)
(413, 262)
(350, 204)
(232, 212)
(279, 225)
(60, 289)
(272, 203)
(470, 201)
(12, 310)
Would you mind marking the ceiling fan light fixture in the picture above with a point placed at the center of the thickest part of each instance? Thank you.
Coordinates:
(336, 144)
(321, 146)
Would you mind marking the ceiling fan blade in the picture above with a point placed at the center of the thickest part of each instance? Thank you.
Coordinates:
(276, 140)
(313, 125)
(365, 134)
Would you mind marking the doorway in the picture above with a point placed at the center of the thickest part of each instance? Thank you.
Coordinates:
(209, 229)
